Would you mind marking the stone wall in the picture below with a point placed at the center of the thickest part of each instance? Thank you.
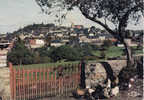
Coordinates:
(4, 83)
(97, 73)
(117, 65)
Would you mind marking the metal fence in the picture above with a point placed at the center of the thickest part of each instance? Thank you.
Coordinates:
(33, 83)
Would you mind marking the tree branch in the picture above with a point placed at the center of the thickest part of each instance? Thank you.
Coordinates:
(124, 19)
(100, 23)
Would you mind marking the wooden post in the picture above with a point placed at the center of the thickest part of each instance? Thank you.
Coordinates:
(28, 87)
(23, 83)
(11, 80)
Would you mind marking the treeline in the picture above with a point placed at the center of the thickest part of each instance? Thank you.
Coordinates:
(20, 54)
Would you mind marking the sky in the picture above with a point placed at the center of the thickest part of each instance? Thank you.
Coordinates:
(15, 14)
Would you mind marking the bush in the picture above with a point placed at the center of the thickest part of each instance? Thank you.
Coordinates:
(107, 43)
(87, 49)
(20, 54)
(65, 52)
(103, 55)
(45, 59)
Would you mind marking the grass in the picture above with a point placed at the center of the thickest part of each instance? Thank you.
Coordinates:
(110, 52)
(137, 51)
(116, 52)
(46, 65)
(96, 53)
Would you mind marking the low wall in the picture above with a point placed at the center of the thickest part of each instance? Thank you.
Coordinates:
(117, 65)
(98, 72)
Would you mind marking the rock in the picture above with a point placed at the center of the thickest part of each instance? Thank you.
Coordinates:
(80, 92)
(104, 74)
(115, 91)
(91, 91)
(111, 91)
(107, 89)
(134, 94)
(107, 92)
(136, 89)
(132, 80)
(95, 74)
(129, 85)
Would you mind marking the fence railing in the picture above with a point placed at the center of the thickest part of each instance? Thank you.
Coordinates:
(35, 83)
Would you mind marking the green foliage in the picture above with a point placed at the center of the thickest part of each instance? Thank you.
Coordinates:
(102, 54)
(43, 51)
(95, 47)
(87, 49)
(20, 54)
(116, 11)
(42, 55)
(65, 52)
(45, 59)
(114, 51)
(107, 43)
(45, 65)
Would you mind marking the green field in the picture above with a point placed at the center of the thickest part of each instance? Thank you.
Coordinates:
(46, 65)
(110, 52)
(116, 52)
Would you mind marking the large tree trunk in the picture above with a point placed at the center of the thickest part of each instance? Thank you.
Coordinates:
(130, 59)
(129, 71)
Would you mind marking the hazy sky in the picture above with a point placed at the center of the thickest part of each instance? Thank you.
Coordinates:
(19, 13)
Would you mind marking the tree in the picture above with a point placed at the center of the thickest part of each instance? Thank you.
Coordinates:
(107, 43)
(94, 30)
(48, 40)
(118, 12)
(86, 49)
(20, 54)
(73, 40)
(65, 52)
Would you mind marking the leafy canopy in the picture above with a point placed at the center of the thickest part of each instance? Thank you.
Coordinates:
(20, 54)
(119, 12)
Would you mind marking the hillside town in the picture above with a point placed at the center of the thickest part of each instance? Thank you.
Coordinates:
(38, 35)
(71, 50)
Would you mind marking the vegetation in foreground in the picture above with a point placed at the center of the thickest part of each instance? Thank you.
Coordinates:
(21, 55)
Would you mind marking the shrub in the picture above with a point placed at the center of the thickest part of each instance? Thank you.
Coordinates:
(103, 55)
(20, 54)
(107, 43)
(65, 52)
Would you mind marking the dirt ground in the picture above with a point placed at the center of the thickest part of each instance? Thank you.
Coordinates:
(123, 95)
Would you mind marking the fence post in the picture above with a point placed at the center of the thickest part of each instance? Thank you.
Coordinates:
(11, 80)
(82, 74)
(23, 82)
